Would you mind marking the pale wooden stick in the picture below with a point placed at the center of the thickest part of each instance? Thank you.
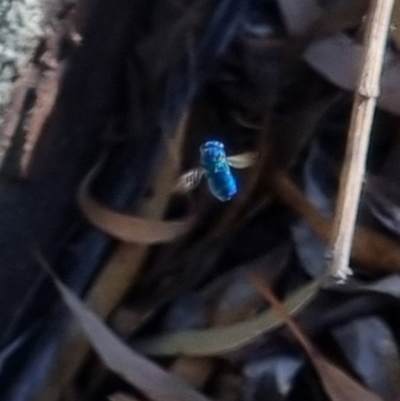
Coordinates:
(359, 133)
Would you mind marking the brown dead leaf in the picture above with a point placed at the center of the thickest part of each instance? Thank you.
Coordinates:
(371, 250)
(338, 385)
(337, 57)
(340, 15)
(299, 15)
(129, 228)
(142, 230)
(195, 371)
(122, 397)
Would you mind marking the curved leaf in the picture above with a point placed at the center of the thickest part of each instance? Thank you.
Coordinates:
(141, 373)
(221, 340)
(338, 384)
(142, 230)
(130, 228)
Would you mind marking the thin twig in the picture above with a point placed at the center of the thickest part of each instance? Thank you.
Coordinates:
(359, 133)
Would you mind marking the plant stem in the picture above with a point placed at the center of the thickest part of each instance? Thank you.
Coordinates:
(352, 174)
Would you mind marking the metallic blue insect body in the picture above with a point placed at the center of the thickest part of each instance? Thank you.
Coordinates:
(221, 182)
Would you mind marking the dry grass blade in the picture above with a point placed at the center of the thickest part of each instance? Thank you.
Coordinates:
(138, 371)
(112, 284)
(338, 385)
(116, 278)
(219, 340)
(358, 139)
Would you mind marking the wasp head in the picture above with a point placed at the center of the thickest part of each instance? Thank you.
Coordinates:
(212, 153)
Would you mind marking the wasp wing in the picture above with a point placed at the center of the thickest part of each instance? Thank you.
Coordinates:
(244, 122)
(243, 160)
(189, 181)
